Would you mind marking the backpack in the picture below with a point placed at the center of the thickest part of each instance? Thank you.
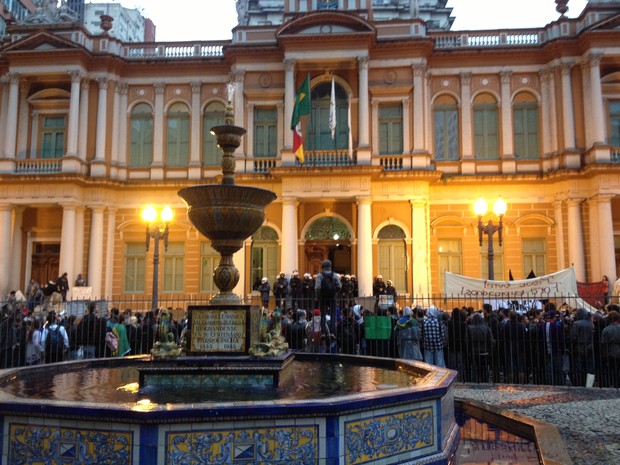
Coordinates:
(328, 285)
(54, 342)
(111, 341)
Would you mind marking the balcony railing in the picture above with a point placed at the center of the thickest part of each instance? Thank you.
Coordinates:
(520, 38)
(39, 166)
(174, 50)
(615, 155)
(328, 158)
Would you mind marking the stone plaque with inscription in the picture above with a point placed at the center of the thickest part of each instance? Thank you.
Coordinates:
(219, 329)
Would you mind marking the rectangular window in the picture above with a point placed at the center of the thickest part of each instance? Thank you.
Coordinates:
(446, 127)
(209, 259)
(486, 137)
(534, 256)
(177, 140)
(450, 259)
(526, 132)
(498, 259)
(53, 137)
(135, 268)
(614, 123)
(390, 129)
(265, 132)
(174, 268)
(141, 150)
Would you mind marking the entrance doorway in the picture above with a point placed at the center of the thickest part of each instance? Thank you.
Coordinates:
(45, 261)
(328, 238)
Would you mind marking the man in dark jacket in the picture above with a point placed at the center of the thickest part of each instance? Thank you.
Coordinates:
(327, 288)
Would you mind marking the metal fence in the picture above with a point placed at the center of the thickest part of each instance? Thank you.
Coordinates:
(555, 341)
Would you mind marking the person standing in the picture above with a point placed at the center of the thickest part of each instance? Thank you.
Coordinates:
(62, 286)
(434, 337)
(55, 340)
(280, 290)
(408, 334)
(296, 292)
(327, 287)
(265, 290)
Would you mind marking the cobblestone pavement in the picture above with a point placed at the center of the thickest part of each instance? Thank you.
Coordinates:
(588, 418)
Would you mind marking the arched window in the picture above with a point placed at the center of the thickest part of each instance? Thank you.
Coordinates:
(393, 256)
(486, 128)
(177, 135)
(213, 116)
(526, 129)
(319, 132)
(141, 143)
(446, 128)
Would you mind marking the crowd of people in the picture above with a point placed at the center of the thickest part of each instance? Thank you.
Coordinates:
(32, 338)
(323, 313)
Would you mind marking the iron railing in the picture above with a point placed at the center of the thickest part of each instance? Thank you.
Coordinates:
(519, 348)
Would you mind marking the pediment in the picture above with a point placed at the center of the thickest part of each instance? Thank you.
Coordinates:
(325, 23)
(40, 41)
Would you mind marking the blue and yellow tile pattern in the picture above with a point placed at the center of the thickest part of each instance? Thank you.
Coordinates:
(60, 445)
(370, 440)
(256, 446)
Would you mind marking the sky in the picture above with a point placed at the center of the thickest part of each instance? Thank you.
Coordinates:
(214, 19)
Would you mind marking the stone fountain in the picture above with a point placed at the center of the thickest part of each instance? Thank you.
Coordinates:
(223, 338)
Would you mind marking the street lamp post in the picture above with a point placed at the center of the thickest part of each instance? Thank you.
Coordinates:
(153, 230)
(499, 208)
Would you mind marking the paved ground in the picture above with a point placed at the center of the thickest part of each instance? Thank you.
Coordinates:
(588, 418)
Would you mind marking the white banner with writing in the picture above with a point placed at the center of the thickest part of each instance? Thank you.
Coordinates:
(562, 283)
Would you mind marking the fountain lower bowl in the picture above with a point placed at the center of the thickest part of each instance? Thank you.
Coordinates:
(412, 423)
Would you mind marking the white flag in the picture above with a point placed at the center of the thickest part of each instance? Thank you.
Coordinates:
(332, 110)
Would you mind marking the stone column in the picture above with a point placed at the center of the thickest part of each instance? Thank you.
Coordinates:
(4, 99)
(363, 102)
(420, 235)
(16, 247)
(10, 142)
(289, 101)
(364, 245)
(78, 254)
(122, 131)
(74, 114)
(239, 79)
(289, 234)
(597, 111)
(95, 254)
(419, 71)
(507, 123)
(406, 125)
(567, 109)
(116, 121)
(21, 147)
(67, 242)
(83, 122)
(606, 239)
(466, 124)
(158, 127)
(109, 253)
(6, 212)
(545, 112)
(195, 131)
(576, 254)
(559, 234)
(593, 232)
(98, 167)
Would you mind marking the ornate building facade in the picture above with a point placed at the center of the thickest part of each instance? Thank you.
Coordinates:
(427, 120)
